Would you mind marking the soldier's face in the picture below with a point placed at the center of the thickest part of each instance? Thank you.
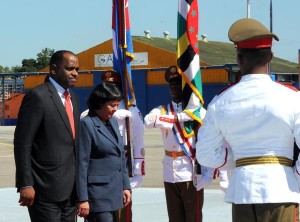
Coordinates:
(175, 87)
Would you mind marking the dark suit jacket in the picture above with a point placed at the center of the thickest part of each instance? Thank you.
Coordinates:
(101, 165)
(44, 146)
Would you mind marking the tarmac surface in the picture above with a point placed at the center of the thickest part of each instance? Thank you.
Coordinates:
(148, 201)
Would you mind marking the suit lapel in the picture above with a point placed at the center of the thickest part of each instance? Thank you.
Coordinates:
(115, 128)
(104, 131)
(59, 105)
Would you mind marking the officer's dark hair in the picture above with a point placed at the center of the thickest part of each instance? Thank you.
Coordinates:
(102, 94)
(255, 57)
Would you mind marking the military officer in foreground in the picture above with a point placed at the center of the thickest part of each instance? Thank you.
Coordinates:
(259, 119)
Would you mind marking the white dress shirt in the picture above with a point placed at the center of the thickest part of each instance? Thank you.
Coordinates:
(60, 90)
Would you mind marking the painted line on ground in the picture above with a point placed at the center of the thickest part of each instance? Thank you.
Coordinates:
(6, 144)
(6, 156)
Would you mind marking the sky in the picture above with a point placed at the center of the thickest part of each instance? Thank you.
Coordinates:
(29, 26)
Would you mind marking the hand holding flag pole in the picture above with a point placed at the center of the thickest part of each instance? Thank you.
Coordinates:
(125, 90)
(189, 67)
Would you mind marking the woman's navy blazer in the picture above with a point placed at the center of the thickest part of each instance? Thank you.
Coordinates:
(101, 165)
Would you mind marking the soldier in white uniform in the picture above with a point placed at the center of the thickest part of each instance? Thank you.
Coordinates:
(259, 119)
(136, 139)
(184, 200)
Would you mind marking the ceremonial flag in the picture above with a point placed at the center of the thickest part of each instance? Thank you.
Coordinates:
(188, 62)
(122, 46)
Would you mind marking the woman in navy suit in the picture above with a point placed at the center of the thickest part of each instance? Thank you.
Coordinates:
(102, 178)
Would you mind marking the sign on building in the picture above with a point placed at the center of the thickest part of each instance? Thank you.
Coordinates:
(106, 60)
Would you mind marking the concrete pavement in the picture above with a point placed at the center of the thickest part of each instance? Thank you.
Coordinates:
(148, 201)
(148, 206)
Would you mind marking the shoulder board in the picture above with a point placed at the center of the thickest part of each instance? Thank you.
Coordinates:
(288, 86)
(163, 110)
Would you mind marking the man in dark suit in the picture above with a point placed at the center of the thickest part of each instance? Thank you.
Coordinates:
(44, 143)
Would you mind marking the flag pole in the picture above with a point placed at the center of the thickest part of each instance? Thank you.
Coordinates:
(271, 16)
(125, 88)
(248, 8)
(271, 30)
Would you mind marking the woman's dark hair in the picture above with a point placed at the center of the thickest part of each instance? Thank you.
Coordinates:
(101, 94)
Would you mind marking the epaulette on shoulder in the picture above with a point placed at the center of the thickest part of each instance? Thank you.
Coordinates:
(163, 109)
(227, 87)
(288, 86)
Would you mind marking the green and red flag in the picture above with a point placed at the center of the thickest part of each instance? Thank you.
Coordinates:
(188, 63)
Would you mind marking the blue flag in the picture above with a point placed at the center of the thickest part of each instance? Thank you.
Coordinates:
(122, 41)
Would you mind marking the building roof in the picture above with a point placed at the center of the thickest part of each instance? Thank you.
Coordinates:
(216, 53)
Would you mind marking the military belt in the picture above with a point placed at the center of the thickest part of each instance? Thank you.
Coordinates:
(281, 160)
(174, 154)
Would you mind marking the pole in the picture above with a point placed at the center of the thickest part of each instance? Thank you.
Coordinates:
(248, 8)
(299, 69)
(271, 30)
(271, 16)
(3, 100)
(125, 89)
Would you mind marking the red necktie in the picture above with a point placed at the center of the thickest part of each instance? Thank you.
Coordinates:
(69, 111)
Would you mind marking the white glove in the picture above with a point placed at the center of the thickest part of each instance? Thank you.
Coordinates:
(183, 117)
(201, 181)
(136, 181)
(224, 182)
(121, 114)
(224, 185)
(84, 114)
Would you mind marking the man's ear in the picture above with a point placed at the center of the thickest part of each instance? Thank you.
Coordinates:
(270, 57)
(240, 59)
(53, 69)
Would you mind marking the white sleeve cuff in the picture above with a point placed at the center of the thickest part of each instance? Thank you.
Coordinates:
(139, 167)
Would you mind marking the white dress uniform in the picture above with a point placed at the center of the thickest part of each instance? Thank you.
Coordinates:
(257, 117)
(137, 137)
(178, 169)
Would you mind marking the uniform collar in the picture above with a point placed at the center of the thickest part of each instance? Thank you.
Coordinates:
(176, 104)
(255, 76)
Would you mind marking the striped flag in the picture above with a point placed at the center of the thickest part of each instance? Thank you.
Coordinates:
(122, 41)
(188, 62)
